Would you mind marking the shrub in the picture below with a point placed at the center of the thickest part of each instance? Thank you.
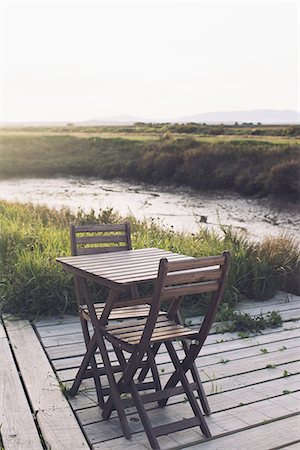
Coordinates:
(247, 166)
(284, 178)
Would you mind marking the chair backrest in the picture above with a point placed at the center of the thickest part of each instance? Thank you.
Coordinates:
(90, 239)
(177, 279)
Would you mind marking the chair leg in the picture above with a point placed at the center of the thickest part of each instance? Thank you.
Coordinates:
(154, 370)
(200, 390)
(93, 363)
(186, 385)
(130, 368)
(194, 371)
(114, 397)
(197, 379)
(143, 416)
(139, 404)
(146, 369)
(185, 365)
(83, 366)
(81, 293)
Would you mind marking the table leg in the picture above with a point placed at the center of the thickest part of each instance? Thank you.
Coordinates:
(82, 296)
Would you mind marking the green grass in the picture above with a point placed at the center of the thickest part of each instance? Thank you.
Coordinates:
(251, 165)
(33, 284)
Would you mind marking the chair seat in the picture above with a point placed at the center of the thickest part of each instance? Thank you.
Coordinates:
(126, 312)
(129, 333)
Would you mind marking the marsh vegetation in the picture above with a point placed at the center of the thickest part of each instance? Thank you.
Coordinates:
(250, 160)
(33, 284)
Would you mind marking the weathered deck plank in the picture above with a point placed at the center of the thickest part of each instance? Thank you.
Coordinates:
(271, 437)
(55, 418)
(252, 406)
(18, 429)
(245, 406)
(232, 399)
(265, 436)
(293, 345)
(213, 345)
(91, 413)
(68, 350)
(242, 391)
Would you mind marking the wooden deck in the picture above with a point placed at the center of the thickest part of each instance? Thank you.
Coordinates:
(253, 387)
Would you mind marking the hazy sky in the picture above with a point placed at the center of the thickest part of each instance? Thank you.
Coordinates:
(155, 60)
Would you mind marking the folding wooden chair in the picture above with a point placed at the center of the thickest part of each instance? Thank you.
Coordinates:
(175, 280)
(94, 239)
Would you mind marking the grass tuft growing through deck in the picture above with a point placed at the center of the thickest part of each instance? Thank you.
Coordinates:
(232, 320)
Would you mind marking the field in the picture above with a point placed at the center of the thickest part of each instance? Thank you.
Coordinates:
(275, 135)
(33, 284)
(251, 160)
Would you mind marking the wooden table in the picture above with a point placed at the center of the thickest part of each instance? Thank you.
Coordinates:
(119, 270)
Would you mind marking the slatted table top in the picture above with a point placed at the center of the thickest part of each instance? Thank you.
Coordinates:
(120, 268)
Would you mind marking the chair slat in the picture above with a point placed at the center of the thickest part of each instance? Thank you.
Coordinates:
(122, 325)
(189, 289)
(164, 329)
(84, 238)
(94, 250)
(136, 328)
(193, 276)
(101, 239)
(97, 228)
(169, 335)
(195, 263)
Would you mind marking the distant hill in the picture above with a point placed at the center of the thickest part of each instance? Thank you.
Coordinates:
(117, 120)
(265, 116)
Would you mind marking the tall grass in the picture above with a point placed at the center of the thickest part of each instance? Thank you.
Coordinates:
(33, 284)
(242, 165)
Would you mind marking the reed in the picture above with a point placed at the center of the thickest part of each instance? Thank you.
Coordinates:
(33, 284)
